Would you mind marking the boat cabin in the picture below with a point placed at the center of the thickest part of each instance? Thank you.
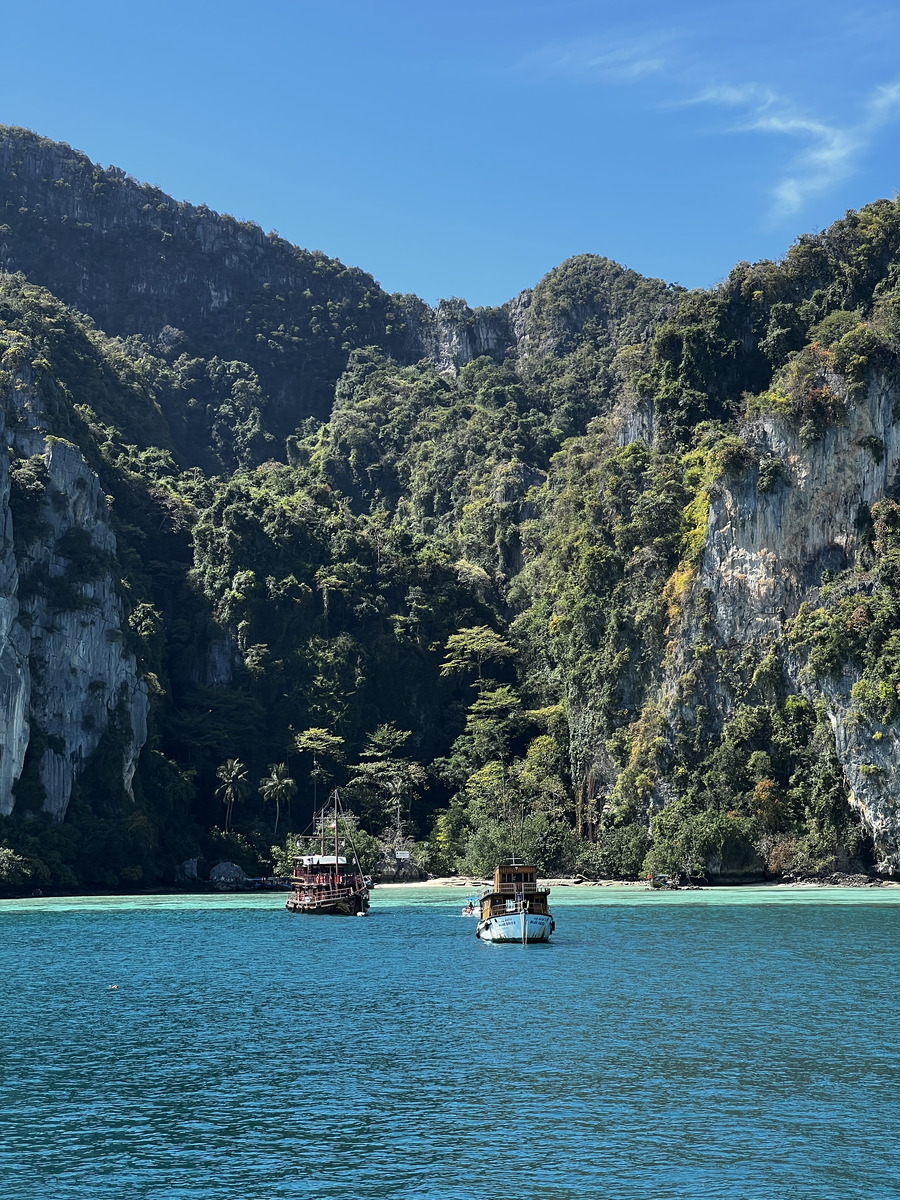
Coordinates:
(513, 878)
(323, 870)
(515, 889)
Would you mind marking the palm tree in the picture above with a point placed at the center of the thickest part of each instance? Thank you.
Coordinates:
(233, 775)
(277, 786)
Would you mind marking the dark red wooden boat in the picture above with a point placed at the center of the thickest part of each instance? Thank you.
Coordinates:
(327, 880)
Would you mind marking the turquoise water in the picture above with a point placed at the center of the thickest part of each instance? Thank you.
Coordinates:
(718, 1044)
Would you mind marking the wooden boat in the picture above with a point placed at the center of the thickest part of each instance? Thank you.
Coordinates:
(324, 881)
(661, 883)
(515, 909)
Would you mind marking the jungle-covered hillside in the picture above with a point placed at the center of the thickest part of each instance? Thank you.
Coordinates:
(607, 577)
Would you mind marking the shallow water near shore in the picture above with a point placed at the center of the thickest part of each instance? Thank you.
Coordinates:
(729, 1043)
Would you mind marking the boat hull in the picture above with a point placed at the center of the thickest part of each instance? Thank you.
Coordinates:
(522, 927)
(348, 906)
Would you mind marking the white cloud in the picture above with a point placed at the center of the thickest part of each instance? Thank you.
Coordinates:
(828, 159)
(831, 152)
(827, 154)
(614, 61)
(885, 102)
(732, 96)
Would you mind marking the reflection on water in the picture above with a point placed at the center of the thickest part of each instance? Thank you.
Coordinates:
(725, 1043)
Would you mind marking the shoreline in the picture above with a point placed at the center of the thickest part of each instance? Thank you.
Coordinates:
(466, 883)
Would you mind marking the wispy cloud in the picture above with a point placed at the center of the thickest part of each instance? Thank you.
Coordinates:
(732, 96)
(885, 102)
(831, 151)
(613, 61)
(825, 152)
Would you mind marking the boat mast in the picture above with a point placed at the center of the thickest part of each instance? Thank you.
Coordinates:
(337, 869)
(348, 832)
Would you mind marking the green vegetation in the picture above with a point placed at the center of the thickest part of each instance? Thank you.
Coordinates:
(233, 775)
(277, 788)
(471, 601)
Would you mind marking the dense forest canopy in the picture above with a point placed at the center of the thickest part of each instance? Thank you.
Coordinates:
(461, 563)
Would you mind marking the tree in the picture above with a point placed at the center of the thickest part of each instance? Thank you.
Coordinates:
(491, 721)
(13, 868)
(277, 786)
(385, 741)
(394, 779)
(233, 787)
(471, 648)
(319, 744)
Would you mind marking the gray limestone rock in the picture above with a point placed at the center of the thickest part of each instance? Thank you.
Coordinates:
(766, 553)
(227, 874)
(65, 669)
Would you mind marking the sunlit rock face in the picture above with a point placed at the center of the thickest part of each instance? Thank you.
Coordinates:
(452, 334)
(765, 554)
(15, 677)
(66, 675)
(766, 551)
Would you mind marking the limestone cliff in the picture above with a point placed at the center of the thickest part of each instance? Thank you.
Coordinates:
(178, 274)
(193, 281)
(764, 555)
(452, 334)
(66, 675)
(659, 564)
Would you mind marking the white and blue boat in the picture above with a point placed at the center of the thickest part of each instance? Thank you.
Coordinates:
(515, 909)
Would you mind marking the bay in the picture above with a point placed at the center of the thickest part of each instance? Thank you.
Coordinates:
(724, 1043)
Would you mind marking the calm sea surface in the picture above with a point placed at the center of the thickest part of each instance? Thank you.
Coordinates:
(721, 1044)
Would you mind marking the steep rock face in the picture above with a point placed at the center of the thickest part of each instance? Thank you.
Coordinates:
(140, 262)
(186, 277)
(15, 677)
(189, 279)
(453, 334)
(587, 299)
(765, 551)
(765, 554)
(66, 676)
(872, 769)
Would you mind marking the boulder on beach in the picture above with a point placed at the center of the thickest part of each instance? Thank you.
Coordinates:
(227, 875)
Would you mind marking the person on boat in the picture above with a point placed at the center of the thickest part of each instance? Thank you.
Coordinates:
(469, 909)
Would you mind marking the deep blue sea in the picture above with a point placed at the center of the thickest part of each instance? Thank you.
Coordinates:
(736, 1043)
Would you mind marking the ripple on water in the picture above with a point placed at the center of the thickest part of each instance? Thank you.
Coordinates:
(722, 1044)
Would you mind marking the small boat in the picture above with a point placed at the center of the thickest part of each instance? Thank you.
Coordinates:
(327, 884)
(515, 909)
(661, 883)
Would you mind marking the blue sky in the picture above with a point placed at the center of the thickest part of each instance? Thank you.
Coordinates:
(466, 149)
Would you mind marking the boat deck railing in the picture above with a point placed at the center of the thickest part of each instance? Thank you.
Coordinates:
(319, 892)
(512, 889)
(323, 881)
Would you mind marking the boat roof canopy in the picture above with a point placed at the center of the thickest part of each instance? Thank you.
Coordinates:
(321, 860)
